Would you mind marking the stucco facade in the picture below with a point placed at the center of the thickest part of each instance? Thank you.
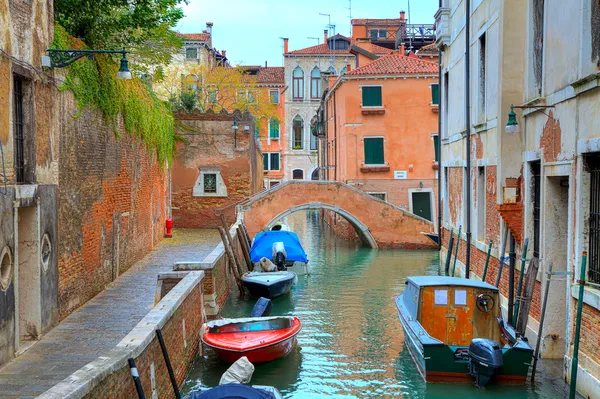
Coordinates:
(540, 180)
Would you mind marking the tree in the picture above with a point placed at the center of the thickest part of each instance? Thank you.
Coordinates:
(141, 26)
(219, 88)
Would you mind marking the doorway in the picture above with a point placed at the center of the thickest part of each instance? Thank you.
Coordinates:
(28, 289)
(555, 238)
(421, 204)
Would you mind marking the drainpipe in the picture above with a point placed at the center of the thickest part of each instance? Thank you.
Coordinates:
(335, 143)
(511, 278)
(439, 154)
(468, 125)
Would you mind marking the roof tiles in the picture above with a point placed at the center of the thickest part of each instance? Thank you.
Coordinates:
(396, 64)
(271, 75)
(323, 48)
(196, 37)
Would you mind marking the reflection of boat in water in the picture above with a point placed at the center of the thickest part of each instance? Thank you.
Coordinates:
(260, 339)
(268, 285)
(229, 391)
(283, 248)
(454, 332)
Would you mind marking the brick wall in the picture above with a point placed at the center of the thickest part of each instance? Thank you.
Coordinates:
(455, 184)
(397, 190)
(112, 204)
(208, 141)
(590, 331)
(340, 226)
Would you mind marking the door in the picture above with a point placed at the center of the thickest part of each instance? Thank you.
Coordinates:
(459, 319)
(421, 205)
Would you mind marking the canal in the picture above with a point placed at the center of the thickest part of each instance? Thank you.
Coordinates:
(351, 344)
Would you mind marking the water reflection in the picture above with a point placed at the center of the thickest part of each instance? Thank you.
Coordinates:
(351, 344)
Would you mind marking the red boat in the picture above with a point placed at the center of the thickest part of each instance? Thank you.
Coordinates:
(260, 339)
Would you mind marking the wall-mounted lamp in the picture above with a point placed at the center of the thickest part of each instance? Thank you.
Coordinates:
(512, 126)
(62, 58)
(235, 129)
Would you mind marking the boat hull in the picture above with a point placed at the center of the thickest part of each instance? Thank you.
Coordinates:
(270, 290)
(260, 355)
(440, 362)
(300, 268)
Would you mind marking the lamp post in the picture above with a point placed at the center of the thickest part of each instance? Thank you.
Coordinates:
(62, 58)
(235, 129)
(512, 125)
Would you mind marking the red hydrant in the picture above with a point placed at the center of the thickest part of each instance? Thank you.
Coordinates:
(169, 226)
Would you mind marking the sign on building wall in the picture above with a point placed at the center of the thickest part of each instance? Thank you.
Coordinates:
(400, 175)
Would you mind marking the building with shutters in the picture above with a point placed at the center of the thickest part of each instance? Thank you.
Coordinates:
(538, 177)
(380, 131)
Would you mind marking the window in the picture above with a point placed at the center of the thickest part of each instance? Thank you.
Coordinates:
(315, 84)
(374, 151)
(241, 95)
(212, 95)
(481, 208)
(210, 182)
(331, 70)
(297, 133)
(374, 34)
(315, 174)
(436, 147)
(445, 104)
(273, 129)
(381, 196)
(594, 23)
(298, 84)
(371, 96)
(593, 165)
(298, 174)
(435, 94)
(274, 96)
(313, 142)
(271, 161)
(383, 34)
(344, 70)
(19, 130)
(191, 53)
(482, 78)
(536, 181)
(273, 183)
(251, 96)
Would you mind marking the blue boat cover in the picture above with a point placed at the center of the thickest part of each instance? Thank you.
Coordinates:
(232, 391)
(263, 246)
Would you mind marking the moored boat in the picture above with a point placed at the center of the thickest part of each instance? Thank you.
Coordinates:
(268, 285)
(260, 339)
(454, 331)
(283, 248)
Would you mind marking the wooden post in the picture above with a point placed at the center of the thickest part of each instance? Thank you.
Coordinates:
(449, 254)
(248, 240)
(487, 261)
(456, 254)
(231, 256)
(226, 228)
(536, 354)
(245, 249)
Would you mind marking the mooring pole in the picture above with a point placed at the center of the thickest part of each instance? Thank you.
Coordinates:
(449, 254)
(540, 329)
(511, 279)
(163, 348)
(575, 362)
(136, 378)
(487, 262)
(518, 301)
(501, 257)
(456, 254)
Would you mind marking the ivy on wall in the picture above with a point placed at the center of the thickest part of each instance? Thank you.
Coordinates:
(94, 83)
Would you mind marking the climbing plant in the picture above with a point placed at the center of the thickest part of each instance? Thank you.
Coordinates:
(94, 84)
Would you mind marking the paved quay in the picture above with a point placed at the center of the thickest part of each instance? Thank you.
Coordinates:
(101, 323)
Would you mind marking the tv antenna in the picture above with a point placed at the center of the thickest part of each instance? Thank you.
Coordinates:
(282, 47)
(350, 15)
(331, 27)
(318, 39)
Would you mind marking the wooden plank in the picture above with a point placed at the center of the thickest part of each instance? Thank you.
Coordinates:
(530, 278)
(244, 245)
(232, 260)
(226, 228)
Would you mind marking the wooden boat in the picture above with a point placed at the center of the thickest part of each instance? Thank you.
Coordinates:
(229, 391)
(260, 339)
(454, 331)
(268, 285)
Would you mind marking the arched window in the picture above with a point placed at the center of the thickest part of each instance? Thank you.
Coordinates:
(298, 133)
(297, 174)
(298, 84)
(190, 83)
(315, 174)
(343, 71)
(331, 70)
(315, 83)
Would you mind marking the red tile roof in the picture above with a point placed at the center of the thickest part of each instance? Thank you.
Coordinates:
(396, 64)
(324, 49)
(430, 48)
(196, 37)
(271, 75)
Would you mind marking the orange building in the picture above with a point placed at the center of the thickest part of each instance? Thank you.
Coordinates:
(386, 32)
(380, 133)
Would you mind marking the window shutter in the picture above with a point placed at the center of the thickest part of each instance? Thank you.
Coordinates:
(274, 161)
(274, 129)
(371, 96)
(374, 151)
(266, 161)
(436, 147)
(435, 94)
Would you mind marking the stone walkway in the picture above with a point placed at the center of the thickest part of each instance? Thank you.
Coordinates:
(100, 324)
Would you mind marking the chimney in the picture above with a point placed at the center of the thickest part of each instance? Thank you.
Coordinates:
(265, 64)
(348, 68)
(402, 16)
(209, 26)
(402, 50)
(331, 81)
(285, 45)
(325, 36)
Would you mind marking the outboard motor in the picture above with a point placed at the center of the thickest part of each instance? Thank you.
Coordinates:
(485, 359)
(279, 255)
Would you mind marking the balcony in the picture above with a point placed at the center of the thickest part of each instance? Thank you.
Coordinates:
(442, 27)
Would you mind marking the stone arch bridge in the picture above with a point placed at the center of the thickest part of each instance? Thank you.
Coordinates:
(377, 223)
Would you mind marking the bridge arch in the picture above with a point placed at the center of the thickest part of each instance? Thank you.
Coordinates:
(361, 229)
(377, 222)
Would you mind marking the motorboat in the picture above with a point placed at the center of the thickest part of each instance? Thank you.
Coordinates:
(229, 391)
(454, 331)
(260, 339)
(268, 285)
(283, 248)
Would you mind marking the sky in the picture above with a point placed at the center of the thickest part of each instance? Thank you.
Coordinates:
(250, 30)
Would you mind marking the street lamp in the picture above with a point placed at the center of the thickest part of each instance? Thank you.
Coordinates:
(235, 129)
(62, 58)
(512, 126)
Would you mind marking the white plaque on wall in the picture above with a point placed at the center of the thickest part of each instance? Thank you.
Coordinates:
(400, 174)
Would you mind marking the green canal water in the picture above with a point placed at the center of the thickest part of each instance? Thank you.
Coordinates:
(351, 343)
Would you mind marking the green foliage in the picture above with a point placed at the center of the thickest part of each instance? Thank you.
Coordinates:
(188, 100)
(94, 83)
(141, 26)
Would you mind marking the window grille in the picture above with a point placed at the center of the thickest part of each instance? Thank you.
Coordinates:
(536, 171)
(210, 182)
(594, 220)
(19, 134)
